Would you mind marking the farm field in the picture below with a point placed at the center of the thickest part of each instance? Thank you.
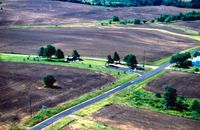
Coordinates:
(94, 96)
(138, 119)
(187, 84)
(95, 42)
(193, 25)
(18, 80)
(36, 12)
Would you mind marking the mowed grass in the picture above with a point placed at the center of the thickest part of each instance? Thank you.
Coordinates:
(60, 123)
(53, 26)
(89, 124)
(95, 65)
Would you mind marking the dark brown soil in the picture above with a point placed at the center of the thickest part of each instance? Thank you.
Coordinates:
(138, 119)
(19, 80)
(97, 42)
(187, 84)
(38, 12)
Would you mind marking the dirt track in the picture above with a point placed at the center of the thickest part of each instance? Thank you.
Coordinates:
(137, 119)
(18, 79)
(95, 41)
(187, 84)
(38, 12)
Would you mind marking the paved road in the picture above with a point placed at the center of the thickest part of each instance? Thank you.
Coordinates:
(96, 99)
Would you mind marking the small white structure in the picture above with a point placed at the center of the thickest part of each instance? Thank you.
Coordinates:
(196, 61)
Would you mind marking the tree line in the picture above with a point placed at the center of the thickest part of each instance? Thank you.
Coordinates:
(122, 3)
(162, 18)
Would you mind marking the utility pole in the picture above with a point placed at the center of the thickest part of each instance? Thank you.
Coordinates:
(144, 58)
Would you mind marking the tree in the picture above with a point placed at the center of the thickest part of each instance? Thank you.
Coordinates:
(170, 97)
(131, 60)
(109, 59)
(49, 51)
(116, 57)
(59, 54)
(49, 80)
(115, 19)
(195, 3)
(75, 54)
(181, 60)
(41, 51)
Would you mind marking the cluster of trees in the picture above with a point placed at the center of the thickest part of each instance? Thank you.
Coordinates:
(196, 53)
(49, 51)
(181, 60)
(121, 3)
(130, 60)
(184, 17)
(114, 59)
(172, 101)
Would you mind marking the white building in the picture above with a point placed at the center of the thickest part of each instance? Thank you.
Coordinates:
(196, 61)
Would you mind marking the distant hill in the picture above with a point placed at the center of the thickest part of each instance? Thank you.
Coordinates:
(121, 3)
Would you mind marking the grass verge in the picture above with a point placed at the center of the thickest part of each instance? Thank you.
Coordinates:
(135, 96)
(60, 124)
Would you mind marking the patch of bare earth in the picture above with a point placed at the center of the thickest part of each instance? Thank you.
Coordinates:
(138, 119)
(38, 12)
(187, 84)
(96, 42)
(19, 80)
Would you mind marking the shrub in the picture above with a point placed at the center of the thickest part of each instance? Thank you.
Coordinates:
(196, 69)
(181, 105)
(115, 19)
(137, 21)
(152, 21)
(158, 95)
(14, 127)
(49, 80)
(196, 106)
